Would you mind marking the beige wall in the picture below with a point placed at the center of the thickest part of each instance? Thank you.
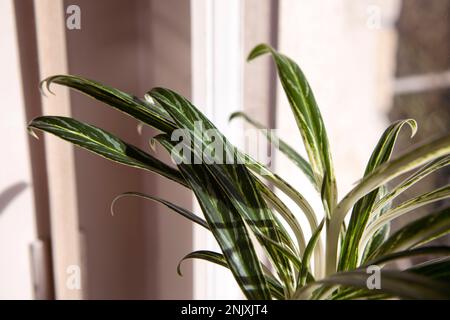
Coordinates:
(114, 245)
(165, 60)
(17, 221)
(132, 45)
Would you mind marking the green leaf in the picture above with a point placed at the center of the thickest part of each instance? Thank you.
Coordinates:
(284, 211)
(401, 284)
(226, 225)
(425, 251)
(382, 234)
(210, 256)
(308, 252)
(411, 180)
(309, 121)
(416, 233)
(376, 241)
(362, 209)
(286, 149)
(104, 144)
(297, 198)
(180, 210)
(352, 293)
(151, 115)
(407, 206)
(438, 269)
(256, 167)
(274, 285)
(234, 179)
(382, 175)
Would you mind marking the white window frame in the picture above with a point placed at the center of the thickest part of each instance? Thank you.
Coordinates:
(217, 78)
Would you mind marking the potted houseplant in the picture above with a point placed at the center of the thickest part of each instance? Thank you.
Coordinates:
(237, 202)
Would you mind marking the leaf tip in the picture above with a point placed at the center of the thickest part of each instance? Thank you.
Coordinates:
(259, 50)
(46, 84)
(234, 115)
(32, 132)
(152, 144)
(414, 127)
(113, 203)
(148, 98)
(179, 269)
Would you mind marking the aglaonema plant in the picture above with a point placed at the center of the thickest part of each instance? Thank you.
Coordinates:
(242, 211)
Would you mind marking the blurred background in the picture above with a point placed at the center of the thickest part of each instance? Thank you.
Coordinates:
(369, 62)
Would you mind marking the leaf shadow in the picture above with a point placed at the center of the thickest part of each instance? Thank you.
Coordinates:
(10, 193)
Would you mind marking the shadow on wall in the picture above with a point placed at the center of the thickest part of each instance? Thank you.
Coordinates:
(9, 194)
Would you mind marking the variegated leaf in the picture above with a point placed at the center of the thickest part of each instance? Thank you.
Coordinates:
(180, 210)
(275, 287)
(308, 253)
(233, 178)
(309, 121)
(401, 284)
(407, 206)
(362, 209)
(285, 148)
(150, 114)
(418, 232)
(104, 144)
(226, 224)
(382, 175)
